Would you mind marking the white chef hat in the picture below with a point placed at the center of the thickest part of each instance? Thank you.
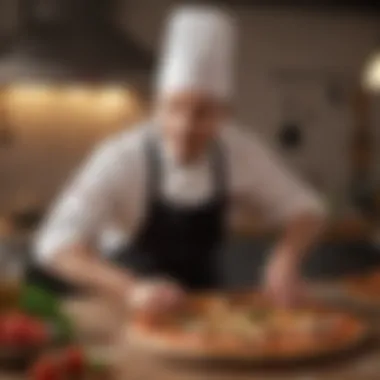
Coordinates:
(198, 52)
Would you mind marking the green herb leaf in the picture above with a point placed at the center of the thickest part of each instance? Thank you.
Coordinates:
(39, 302)
(43, 304)
(97, 365)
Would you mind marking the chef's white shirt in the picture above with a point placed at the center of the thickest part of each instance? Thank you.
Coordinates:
(107, 200)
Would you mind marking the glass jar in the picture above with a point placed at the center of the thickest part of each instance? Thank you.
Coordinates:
(11, 275)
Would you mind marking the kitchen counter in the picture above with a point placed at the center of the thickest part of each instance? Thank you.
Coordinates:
(133, 365)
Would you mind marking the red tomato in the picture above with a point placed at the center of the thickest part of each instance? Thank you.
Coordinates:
(17, 316)
(3, 336)
(74, 361)
(15, 332)
(17, 329)
(45, 369)
(38, 333)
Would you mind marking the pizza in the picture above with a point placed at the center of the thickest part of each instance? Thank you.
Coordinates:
(365, 287)
(246, 326)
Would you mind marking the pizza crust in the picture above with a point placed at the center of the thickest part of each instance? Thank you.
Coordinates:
(221, 327)
(363, 290)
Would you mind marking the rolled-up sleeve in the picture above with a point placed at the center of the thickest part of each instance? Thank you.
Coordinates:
(279, 194)
(79, 212)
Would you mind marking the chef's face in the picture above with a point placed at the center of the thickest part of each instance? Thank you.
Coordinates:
(189, 123)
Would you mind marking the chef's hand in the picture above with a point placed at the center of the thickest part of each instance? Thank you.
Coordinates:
(154, 296)
(283, 282)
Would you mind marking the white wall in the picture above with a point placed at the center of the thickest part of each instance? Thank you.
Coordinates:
(318, 43)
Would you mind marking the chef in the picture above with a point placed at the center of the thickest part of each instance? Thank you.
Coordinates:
(171, 184)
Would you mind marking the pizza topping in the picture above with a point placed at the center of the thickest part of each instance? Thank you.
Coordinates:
(223, 325)
(195, 325)
(258, 315)
(307, 325)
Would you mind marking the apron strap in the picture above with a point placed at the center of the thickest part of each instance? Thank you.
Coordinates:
(153, 171)
(219, 169)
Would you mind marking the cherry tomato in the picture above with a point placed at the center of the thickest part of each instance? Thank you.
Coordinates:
(17, 329)
(3, 335)
(15, 332)
(74, 361)
(45, 369)
(38, 333)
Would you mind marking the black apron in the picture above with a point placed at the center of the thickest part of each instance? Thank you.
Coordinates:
(178, 242)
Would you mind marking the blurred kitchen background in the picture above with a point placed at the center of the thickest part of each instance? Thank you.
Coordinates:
(75, 71)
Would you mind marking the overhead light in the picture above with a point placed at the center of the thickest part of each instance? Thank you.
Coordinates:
(72, 104)
(371, 79)
(77, 95)
(29, 103)
(29, 92)
(113, 98)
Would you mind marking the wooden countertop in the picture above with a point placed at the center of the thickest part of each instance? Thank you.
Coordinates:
(100, 331)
